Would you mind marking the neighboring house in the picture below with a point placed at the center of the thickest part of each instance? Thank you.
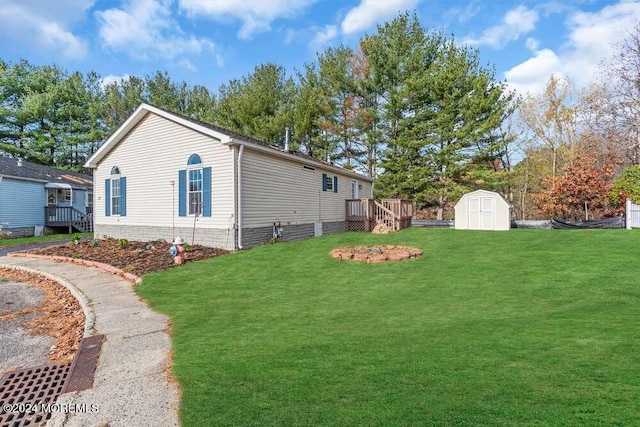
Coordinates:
(482, 210)
(162, 175)
(34, 196)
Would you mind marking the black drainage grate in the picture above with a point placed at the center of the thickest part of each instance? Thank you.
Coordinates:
(84, 364)
(21, 393)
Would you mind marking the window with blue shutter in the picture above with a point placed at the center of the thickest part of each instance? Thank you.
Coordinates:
(206, 191)
(123, 196)
(115, 194)
(182, 192)
(107, 197)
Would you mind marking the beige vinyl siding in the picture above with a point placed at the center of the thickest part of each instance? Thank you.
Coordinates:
(150, 157)
(276, 189)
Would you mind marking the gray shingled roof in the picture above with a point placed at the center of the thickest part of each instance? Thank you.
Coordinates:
(32, 171)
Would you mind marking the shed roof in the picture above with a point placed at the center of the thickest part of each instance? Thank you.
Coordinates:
(224, 135)
(486, 193)
(12, 168)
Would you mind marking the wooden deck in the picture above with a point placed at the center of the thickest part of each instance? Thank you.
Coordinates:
(68, 217)
(365, 214)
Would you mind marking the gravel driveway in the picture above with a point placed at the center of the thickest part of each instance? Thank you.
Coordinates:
(19, 349)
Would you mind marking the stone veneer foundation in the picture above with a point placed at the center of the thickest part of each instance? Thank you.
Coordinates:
(214, 237)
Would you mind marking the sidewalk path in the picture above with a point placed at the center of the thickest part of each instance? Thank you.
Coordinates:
(4, 250)
(131, 386)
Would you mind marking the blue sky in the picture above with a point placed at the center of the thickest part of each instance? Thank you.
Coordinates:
(211, 41)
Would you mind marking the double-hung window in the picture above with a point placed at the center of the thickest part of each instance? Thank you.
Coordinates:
(115, 193)
(194, 188)
(115, 196)
(195, 191)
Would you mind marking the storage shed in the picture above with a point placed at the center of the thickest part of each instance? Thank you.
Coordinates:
(482, 210)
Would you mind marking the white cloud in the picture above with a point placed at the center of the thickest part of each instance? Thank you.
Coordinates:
(324, 36)
(590, 40)
(255, 15)
(44, 27)
(112, 78)
(516, 23)
(370, 12)
(534, 73)
(532, 43)
(145, 29)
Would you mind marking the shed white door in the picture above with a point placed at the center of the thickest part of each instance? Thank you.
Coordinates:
(481, 213)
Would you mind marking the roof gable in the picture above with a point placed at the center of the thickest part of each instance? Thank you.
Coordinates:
(223, 135)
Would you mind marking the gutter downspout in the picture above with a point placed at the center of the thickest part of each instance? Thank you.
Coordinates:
(239, 196)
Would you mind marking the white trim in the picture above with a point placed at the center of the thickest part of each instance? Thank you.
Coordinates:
(191, 168)
(111, 205)
(57, 185)
(239, 196)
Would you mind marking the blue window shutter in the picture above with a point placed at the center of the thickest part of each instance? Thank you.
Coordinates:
(206, 191)
(335, 184)
(324, 182)
(182, 192)
(107, 197)
(123, 196)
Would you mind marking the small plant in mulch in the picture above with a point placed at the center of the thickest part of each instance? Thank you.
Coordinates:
(138, 258)
(123, 243)
(376, 254)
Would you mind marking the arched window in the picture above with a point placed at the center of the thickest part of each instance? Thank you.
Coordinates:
(194, 188)
(116, 193)
(194, 159)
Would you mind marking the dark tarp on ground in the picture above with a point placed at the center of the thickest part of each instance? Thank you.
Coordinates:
(616, 222)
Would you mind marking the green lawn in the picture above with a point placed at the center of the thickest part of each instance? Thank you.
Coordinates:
(526, 327)
(25, 240)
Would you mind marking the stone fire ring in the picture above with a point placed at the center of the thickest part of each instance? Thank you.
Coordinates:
(375, 254)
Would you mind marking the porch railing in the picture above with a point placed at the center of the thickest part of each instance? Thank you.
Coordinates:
(66, 216)
(365, 214)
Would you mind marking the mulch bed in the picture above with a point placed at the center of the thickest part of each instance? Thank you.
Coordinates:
(376, 254)
(138, 258)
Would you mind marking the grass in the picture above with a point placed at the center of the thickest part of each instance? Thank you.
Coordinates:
(526, 327)
(26, 240)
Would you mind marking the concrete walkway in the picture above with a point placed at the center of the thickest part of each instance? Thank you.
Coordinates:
(131, 386)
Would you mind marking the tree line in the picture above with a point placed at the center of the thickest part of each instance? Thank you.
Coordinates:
(407, 106)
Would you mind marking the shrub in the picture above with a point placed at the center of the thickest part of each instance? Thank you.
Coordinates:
(123, 243)
(626, 186)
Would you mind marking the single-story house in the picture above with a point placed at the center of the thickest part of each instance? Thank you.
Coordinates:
(33, 196)
(482, 210)
(163, 175)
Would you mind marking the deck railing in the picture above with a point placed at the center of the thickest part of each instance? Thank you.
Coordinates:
(66, 216)
(365, 214)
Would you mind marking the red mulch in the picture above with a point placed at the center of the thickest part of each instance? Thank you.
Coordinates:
(135, 258)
